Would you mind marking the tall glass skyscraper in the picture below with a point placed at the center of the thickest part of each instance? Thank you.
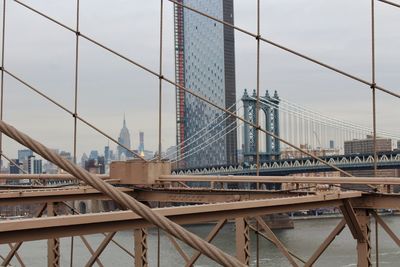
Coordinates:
(205, 63)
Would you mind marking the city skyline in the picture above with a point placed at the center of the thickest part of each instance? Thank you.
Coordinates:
(119, 92)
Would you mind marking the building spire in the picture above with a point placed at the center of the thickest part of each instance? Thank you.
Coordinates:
(124, 121)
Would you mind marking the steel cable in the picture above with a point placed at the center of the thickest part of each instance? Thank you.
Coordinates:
(123, 199)
(204, 99)
(202, 136)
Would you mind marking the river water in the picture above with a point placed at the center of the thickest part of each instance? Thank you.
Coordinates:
(303, 240)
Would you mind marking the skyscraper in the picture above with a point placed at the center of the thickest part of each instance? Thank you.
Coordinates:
(107, 154)
(205, 63)
(141, 143)
(24, 154)
(124, 139)
(34, 165)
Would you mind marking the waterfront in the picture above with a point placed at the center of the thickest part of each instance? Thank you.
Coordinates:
(302, 240)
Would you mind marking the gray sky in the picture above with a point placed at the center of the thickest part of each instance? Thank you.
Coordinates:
(42, 53)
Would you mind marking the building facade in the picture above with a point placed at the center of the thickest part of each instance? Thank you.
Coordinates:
(205, 64)
(366, 145)
(35, 166)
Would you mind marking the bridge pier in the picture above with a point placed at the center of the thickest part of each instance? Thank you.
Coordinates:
(140, 237)
(53, 245)
(242, 240)
(364, 245)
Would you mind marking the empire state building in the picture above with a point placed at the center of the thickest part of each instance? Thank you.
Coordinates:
(124, 139)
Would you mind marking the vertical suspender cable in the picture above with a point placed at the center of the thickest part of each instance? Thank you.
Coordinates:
(75, 108)
(2, 75)
(373, 81)
(159, 112)
(258, 116)
(374, 112)
(258, 92)
(160, 81)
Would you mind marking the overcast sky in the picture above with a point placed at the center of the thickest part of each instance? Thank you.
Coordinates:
(42, 53)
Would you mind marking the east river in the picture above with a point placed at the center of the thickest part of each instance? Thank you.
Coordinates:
(303, 240)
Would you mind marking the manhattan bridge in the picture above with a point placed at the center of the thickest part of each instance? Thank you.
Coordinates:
(301, 126)
(278, 138)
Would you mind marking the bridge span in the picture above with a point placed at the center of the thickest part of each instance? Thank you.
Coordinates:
(386, 160)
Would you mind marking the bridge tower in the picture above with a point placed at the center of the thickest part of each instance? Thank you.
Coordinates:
(270, 106)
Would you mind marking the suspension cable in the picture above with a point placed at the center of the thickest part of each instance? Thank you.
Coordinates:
(204, 134)
(200, 131)
(291, 51)
(123, 199)
(71, 113)
(204, 99)
(206, 142)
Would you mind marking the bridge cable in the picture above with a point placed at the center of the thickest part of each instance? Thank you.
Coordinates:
(291, 51)
(75, 110)
(3, 33)
(123, 199)
(207, 142)
(185, 89)
(202, 129)
(71, 113)
(202, 135)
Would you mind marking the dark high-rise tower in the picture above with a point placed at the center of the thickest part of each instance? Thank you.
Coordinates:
(205, 63)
